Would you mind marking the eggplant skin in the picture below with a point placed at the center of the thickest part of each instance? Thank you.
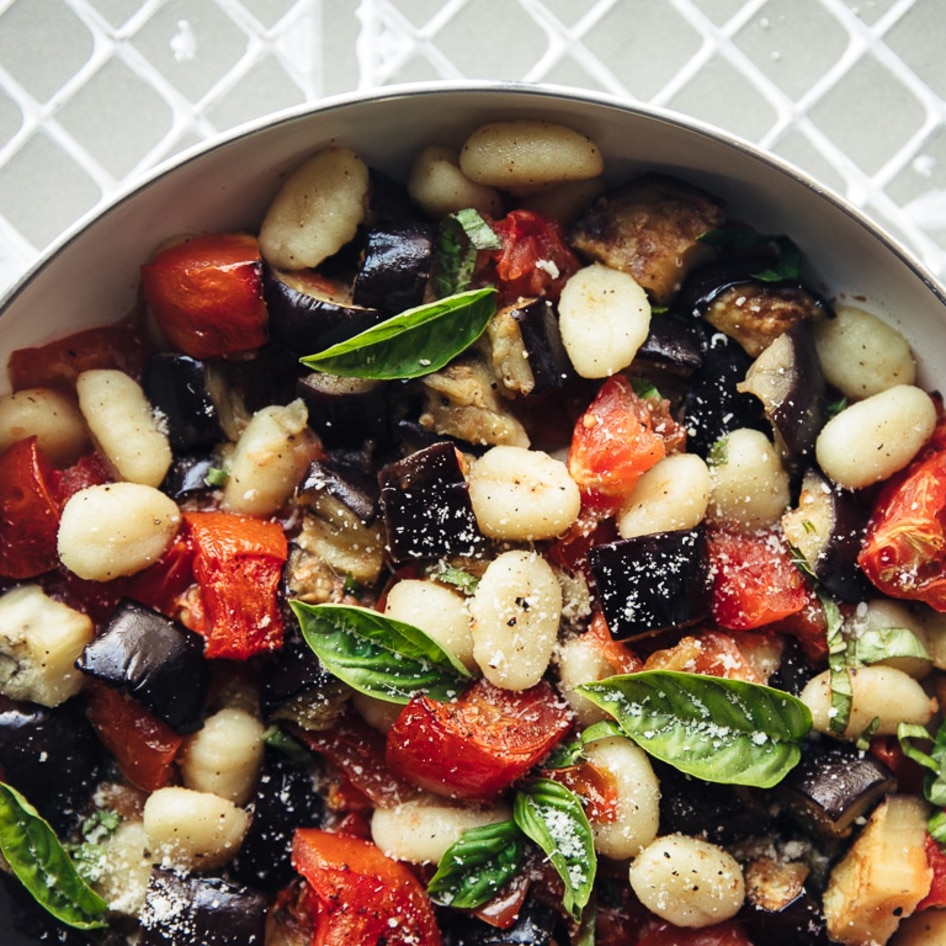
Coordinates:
(201, 911)
(537, 924)
(396, 266)
(653, 582)
(179, 387)
(157, 661)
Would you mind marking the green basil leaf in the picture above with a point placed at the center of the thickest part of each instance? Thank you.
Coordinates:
(478, 865)
(937, 827)
(552, 816)
(377, 655)
(412, 344)
(839, 680)
(714, 728)
(934, 786)
(742, 240)
(462, 235)
(461, 579)
(571, 753)
(42, 865)
(883, 643)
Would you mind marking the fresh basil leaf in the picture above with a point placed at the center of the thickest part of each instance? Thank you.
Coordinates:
(478, 865)
(883, 643)
(377, 655)
(714, 728)
(42, 865)
(937, 827)
(279, 739)
(462, 235)
(934, 786)
(477, 230)
(571, 753)
(552, 816)
(839, 680)
(412, 344)
(461, 579)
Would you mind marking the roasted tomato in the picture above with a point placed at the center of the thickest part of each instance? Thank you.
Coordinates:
(365, 897)
(476, 746)
(29, 512)
(755, 581)
(143, 746)
(58, 364)
(712, 653)
(238, 564)
(904, 551)
(617, 440)
(206, 294)
(534, 259)
(937, 860)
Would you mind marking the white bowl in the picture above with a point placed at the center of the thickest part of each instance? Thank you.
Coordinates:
(90, 277)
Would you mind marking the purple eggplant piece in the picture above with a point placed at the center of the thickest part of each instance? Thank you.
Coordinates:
(352, 487)
(187, 475)
(542, 341)
(51, 756)
(714, 406)
(798, 923)
(397, 261)
(426, 506)
(673, 343)
(201, 911)
(346, 412)
(157, 661)
(285, 799)
(179, 387)
(307, 314)
(389, 202)
(653, 582)
(833, 786)
(538, 924)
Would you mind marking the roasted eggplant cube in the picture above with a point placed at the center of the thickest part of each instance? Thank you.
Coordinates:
(309, 313)
(200, 911)
(650, 228)
(673, 344)
(346, 412)
(653, 582)
(827, 528)
(51, 756)
(285, 799)
(189, 474)
(180, 388)
(788, 381)
(355, 490)
(537, 924)
(426, 506)
(833, 786)
(397, 261)
(779, 910)
(158, 662)
(714, 406)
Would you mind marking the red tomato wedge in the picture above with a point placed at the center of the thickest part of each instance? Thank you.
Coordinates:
(238, 562)
(937, 860)
(58, 364)
(206, 294)
(616, 441)
(143, 746)
(534, 260)
(365, 897)
(904, 551)
(476, 746)
(755, 582)
(29, 512)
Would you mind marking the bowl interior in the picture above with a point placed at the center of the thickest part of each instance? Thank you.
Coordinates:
(92, 277)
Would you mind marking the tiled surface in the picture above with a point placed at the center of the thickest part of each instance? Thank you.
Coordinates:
(93, 92)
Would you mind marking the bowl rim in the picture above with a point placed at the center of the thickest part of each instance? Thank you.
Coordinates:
(420, 89)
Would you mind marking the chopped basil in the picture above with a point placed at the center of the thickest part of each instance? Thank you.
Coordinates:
(885, 643)
(934, 761)
(552, 816)
(839, 680)
(462, 235)
(477, 865)
(570, 753)
(279, 739)
(43, 866)
(461, 579)
(742, 240)
(90, 854)
(216, 477)
(714, 728)
(377, 655)
(718, 453)
(410, 345)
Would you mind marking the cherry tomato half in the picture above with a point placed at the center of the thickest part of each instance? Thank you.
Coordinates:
(476, 746)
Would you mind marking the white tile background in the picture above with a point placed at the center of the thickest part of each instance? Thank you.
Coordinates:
(93, 92)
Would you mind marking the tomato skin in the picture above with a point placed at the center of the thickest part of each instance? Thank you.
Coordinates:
(365, 897)
(88, 470)
(29, 512)
(614, 443)
(57, 364)
(143, 746)
(238, 562)
(527, 239)
(937, 860)
(476, 746)
(720, 934)
(904, 550)
(206, 294)
(711, 653)
(755, 582)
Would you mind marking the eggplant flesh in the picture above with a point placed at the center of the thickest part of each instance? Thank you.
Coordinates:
(181, 388)
(397, 261)
(779, 910)
(425, 503)
(652, 582)
(157, 661)
(354, 489)
(827, 527)
(201, 911)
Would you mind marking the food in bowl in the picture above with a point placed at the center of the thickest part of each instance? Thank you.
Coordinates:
(496, 555)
